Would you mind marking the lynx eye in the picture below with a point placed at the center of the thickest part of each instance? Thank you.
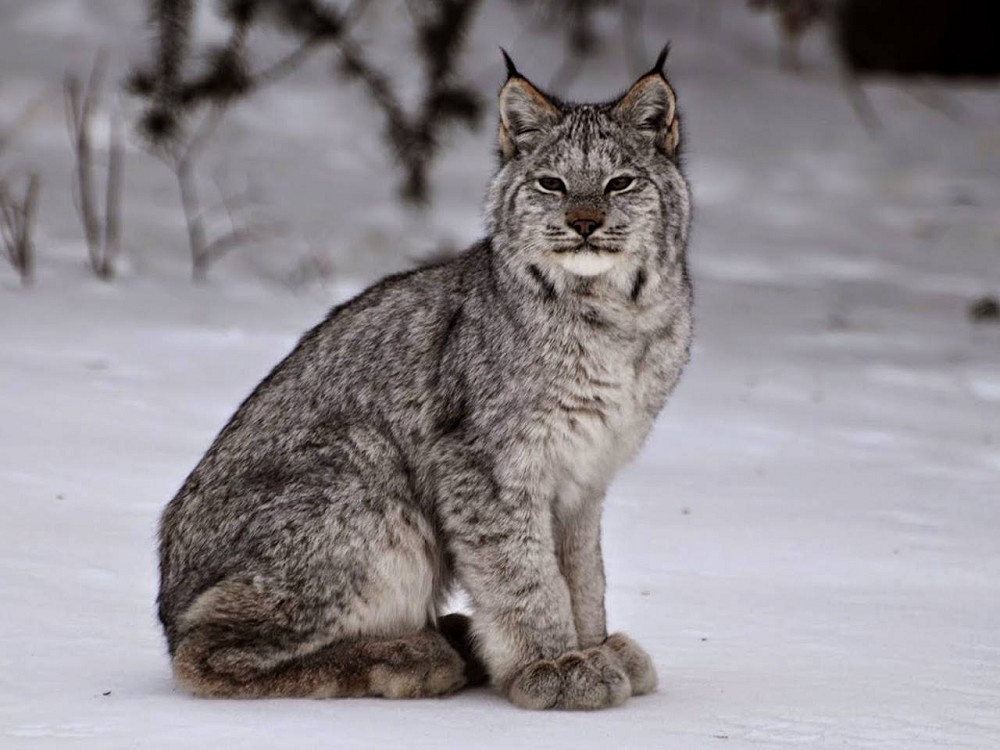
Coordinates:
(552, 184)
(617, 184)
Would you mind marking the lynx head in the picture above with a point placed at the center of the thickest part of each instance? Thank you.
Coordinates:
(589, 189)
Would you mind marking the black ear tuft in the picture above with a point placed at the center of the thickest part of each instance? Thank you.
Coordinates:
(512, 71)
(661, 60)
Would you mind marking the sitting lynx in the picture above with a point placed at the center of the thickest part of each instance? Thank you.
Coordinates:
(456, 425)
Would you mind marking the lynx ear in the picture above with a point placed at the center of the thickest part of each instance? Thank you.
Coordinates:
(650, 106)
(525, 113)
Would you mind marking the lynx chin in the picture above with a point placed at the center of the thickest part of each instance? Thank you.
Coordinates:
(455, 425)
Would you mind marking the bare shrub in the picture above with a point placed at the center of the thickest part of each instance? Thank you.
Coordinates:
(182, 159)
(102, 232)
(17, 217)
(176, 98)
(19, 207)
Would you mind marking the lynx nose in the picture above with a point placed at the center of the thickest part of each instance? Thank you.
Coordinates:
(584, 226)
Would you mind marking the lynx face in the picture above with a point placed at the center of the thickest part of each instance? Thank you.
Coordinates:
(588, 189)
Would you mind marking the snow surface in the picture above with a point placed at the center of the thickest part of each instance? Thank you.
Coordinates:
(809, 545)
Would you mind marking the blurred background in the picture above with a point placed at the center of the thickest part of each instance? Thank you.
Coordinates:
(317, 140)
(808, 544)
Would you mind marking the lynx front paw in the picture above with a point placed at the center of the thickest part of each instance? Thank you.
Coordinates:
(578, 680)
(635, 661)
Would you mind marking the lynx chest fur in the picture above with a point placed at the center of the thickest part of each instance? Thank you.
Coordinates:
(610, 374)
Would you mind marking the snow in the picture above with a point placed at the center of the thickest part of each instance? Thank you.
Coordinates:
(809, 545)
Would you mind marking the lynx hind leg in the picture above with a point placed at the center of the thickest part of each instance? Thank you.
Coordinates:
(244, 660)
(258, 638)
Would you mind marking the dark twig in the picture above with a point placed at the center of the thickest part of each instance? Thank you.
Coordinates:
(183, 163)
(17, 219)
(80, 102)
(113, 195)
(287, 64)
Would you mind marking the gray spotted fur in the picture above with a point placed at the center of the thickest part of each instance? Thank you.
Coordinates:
(454, 425)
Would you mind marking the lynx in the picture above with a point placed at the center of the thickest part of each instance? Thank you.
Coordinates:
(455, 425)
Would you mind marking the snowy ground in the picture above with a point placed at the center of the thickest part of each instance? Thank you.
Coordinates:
(809, 546)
